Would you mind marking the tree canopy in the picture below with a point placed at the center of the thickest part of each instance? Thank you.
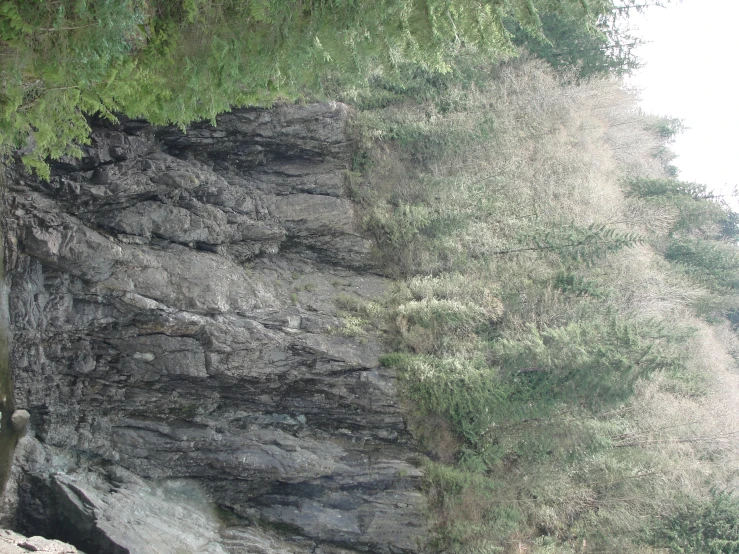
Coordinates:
(175, 61)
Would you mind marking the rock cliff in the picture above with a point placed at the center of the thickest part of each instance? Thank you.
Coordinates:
(175, 338)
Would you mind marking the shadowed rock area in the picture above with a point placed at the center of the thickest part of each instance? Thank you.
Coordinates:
(174, 339)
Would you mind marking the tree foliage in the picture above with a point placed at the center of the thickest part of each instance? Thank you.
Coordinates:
(575, 244)
(569, 46)
(178, 61)
(711, 262)
(607, 46)
(698, 210)
(593, 362)
(701, 242)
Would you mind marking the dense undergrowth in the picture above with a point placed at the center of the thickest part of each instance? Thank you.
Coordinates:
(559, 318)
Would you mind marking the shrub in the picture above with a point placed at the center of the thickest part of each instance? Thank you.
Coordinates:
(175, 61)
(701, 526)
(594, 363)
(463, 391)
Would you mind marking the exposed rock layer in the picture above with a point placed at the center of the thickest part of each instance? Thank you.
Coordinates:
(175, 342)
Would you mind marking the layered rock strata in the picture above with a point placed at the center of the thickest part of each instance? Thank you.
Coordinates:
(177, 343)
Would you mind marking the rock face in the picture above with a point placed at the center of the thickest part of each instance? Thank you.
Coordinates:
(176, 341)
(13, 543)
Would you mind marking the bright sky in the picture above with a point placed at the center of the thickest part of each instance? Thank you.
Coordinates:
(692, 73)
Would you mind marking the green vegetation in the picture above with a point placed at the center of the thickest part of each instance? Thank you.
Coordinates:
(570, 47)
(175, 61)
(550, 321)
(711, 526)
(358, 316)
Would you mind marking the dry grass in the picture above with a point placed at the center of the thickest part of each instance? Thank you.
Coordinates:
(646, 285)
(524, 155)
(695, 429)
(434, 436)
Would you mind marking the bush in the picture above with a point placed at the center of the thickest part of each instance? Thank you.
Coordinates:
(175, 61)
(466, 502)
(464, 391)
(701, 527)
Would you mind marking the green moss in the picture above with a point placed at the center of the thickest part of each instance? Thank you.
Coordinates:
(184, 411)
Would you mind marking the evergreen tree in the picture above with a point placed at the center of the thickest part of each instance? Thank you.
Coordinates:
(698, 209)
(713, 263)
(575, 243)
(567, 45)
(177, 61)
(605, 46)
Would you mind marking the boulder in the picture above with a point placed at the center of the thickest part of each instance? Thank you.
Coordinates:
(20, 419)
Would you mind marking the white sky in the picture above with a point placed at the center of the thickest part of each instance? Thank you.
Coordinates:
(692, 73)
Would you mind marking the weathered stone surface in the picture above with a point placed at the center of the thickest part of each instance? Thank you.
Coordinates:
(173, 309)
(14, 543)
(19, 419)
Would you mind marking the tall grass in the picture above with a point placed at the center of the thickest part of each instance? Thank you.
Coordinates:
(549, 342)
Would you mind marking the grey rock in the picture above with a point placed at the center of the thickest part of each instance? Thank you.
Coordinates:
(20, 419)
(14, 543)
(173, 318)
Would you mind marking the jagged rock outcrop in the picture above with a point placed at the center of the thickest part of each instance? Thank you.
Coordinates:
(174, 339)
